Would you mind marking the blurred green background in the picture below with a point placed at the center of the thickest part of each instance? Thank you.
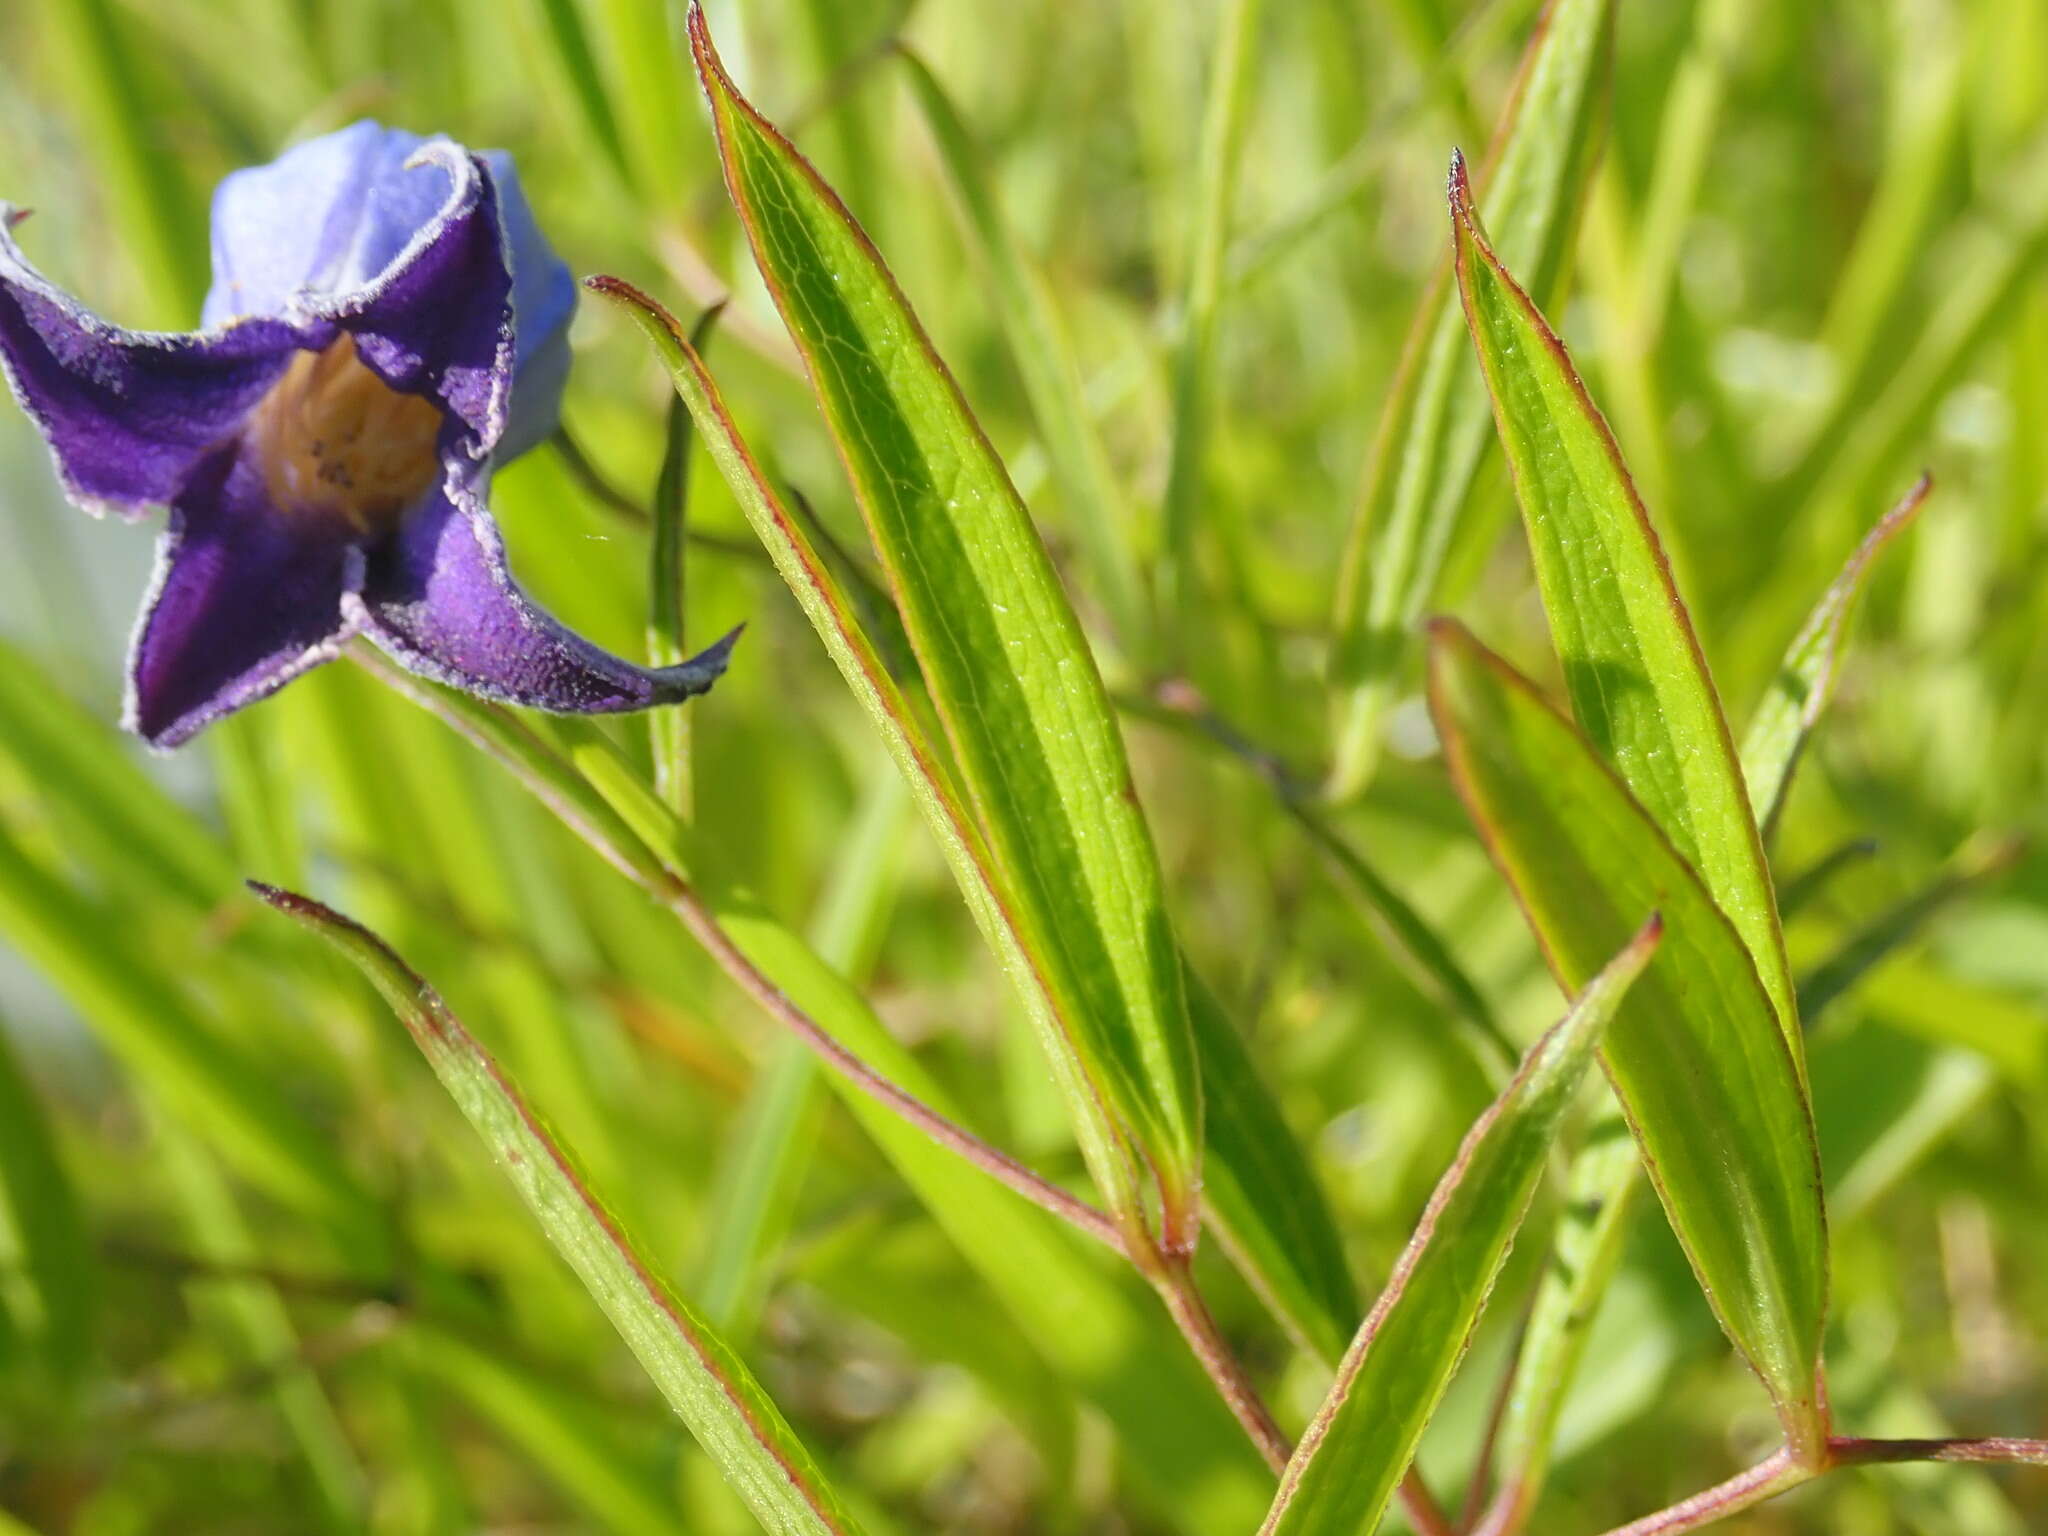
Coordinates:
(1811, 264)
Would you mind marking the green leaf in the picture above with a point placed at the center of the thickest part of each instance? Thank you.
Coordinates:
(1433, 434)
(1008, 668)
(1696, 1057)
(1394, 1375)
(1805, 679)
(1258, 1184)
(1262, 1196)
(1592, 1229)
(707, 1385)
(1638, 683)
(1121, 1357)
(1098, 514)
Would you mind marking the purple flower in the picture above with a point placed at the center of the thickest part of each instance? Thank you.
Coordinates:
(386, 325)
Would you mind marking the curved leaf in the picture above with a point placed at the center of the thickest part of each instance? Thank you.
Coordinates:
(1258, 1185)
(1008, 667)
(1432, 435)
(1393, 1376)
(1638, 683)
(1696, 1057)
(1805, 679)
(707, 1385)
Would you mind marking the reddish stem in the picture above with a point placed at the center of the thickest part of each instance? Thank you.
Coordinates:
(1848, 1452)
(1769, 1477)
(1779, 1471)
(691, 910)
(1175, 1283)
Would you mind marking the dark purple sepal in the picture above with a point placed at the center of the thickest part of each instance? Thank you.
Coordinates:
(439, 598)
(128, 414)
(438, 321)
(245, 599)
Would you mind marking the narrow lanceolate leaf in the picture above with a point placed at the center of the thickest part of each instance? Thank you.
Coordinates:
(1703, 1071)
(1805, 679)
(1632, 665)
(1433, 433)
(706, 1384)
(1258, 1186)
(1394, 1374)
(1101, 520)
(1008, 667)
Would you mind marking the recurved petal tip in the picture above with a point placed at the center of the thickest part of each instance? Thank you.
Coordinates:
(690, 678)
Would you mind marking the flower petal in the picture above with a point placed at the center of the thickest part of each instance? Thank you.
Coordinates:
(428, 253)
(438, 320)
(128, 414)
(246, 598)
(439, 598)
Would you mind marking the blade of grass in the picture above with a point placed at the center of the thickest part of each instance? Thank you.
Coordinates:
(1007, 665)
(1984, 858)
(550, 1428)
(1097, 511)
(1414, 945)
(45, 1230)
(1805, 680)
(562, 24)
(1585, 1251)
(1432, 433)
(1394, 1375)
(707, 1385)
(1638, 683)
(1997, 248)
(256, 1312)
(1699, 1063)
(151, 203)
(146, 1021)
(754, 1191)
(1208, 237)
(669, 729)
(109, 804)
(644, 57)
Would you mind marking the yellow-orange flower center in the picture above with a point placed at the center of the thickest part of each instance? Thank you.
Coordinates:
(334, 440)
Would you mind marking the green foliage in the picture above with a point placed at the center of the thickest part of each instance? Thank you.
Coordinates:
(1394, 1374)
(1188, 270)
(703, 1380)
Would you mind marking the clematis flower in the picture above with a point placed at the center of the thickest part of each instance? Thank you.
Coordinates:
(386, 325)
